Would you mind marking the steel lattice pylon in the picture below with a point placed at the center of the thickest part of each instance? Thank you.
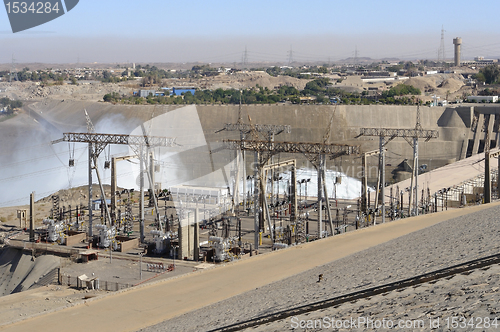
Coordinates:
(98, 142)
(292, 147)
(389, 132)
(411, 136)
(266, 128)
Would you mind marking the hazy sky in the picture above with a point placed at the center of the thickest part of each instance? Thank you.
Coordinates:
(219, 30)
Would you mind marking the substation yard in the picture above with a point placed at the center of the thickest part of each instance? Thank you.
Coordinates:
(135, 293)
(285, 279)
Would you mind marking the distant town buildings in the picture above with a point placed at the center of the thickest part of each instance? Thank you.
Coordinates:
(483, 99)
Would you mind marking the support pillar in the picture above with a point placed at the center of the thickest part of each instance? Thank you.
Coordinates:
(113, 190)
(327, 202)
(415, 156)
(196, 235)
(141, 193)
(364, 185)
(32, 217)
(320, 196)
(382, 176)
(103, 195)
(236, 187)
(153, 199)
(90, 192)
(498, 177)
(242, 136)
(256, 199)
(293, 199)
(265, 205)
(487, 178)
(152, 187)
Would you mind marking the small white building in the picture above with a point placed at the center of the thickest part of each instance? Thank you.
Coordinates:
(483, 99)
(212, 195)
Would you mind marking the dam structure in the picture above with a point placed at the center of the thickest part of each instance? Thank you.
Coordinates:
(462, 129)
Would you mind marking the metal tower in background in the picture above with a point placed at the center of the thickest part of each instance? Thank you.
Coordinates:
(441, 51)
(290, 55)
(244, 59)
(13, 70)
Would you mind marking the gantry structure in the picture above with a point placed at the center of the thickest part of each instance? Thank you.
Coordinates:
(411, 136)
(269, 130)
(97, 142)
(264, 150)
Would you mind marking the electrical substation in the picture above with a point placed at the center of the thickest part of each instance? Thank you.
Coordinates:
(248, 187)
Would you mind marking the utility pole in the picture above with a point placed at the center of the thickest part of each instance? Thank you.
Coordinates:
(487, 174)
(32, 217)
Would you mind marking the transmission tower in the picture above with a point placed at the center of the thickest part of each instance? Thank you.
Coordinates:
(290, 55)
(13, 70)
(441, 52)
(244, 59)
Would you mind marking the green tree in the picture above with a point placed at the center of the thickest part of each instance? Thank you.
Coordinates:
(107, 97)
(491, 74)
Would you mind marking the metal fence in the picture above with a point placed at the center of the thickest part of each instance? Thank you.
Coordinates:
(104, 285)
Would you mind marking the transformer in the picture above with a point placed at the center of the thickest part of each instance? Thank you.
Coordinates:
(107, 237)
(55, 231)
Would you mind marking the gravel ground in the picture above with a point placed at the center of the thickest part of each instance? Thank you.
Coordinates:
(124, 271)
(447, 304)
(445, 244)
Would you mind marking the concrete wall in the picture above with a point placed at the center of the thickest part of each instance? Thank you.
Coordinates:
(309, 124)
(127, 244)
(75, 238)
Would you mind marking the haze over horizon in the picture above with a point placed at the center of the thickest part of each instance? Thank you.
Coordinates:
(200, 31)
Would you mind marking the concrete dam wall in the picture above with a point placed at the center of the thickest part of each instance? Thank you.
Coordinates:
(19, 270)
(461, 129)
